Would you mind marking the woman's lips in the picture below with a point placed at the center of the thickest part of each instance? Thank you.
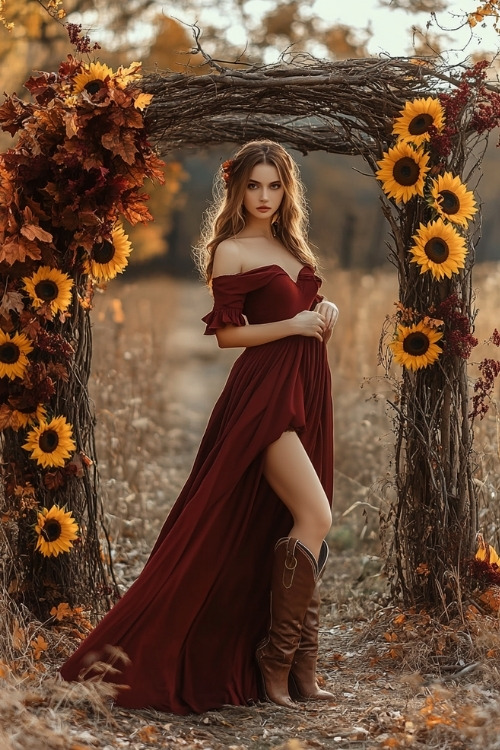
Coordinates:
(264, 208)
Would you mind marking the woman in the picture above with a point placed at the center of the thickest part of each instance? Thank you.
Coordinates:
(254, 512)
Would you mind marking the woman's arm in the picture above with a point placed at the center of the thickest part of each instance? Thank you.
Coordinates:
(305, 323)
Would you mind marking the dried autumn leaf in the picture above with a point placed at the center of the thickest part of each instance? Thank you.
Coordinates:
(18, 636)
(35, 232)
(58, 371)
(39, 645)
(121, 144)
(491, 597)
(8, 418)
(62, 611)
(30, 325)
(148, 733)
(54, 480)
(142, 101)
(71, 121)
(391, 742)
(422, 569)
(390, 637)
(11, 301)
(134, 210)
(18, 249)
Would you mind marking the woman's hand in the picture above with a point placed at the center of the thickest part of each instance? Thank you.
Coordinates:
(309, 323)
(330, 313)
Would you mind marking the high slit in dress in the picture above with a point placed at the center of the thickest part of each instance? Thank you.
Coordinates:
(192, 620)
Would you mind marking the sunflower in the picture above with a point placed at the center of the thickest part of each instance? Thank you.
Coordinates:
(57, 530)
(416, 119)
(110, 257)
(438, 248)
(416, 346)
(13, 354)
(26, 418)
(93, 78)
(51, 287)
(51, 443)
(402, 172)
(451, 199)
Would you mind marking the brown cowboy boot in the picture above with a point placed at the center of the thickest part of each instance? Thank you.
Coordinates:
(292, 584)
(303, 682)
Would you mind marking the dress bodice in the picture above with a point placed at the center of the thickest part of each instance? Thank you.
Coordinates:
(261, 295)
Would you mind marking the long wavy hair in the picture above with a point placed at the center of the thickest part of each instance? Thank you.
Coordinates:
(226, 217)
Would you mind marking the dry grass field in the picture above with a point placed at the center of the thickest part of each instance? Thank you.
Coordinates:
(401, 679)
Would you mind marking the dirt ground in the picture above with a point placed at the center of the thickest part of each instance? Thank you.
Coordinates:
(153, 393)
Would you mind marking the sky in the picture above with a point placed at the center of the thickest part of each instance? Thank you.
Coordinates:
(392, 29)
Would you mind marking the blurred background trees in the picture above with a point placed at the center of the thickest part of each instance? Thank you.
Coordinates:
(346, 222)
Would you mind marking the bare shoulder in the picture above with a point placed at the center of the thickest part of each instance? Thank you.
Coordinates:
(227, 258)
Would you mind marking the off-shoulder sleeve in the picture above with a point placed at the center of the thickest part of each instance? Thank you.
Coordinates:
(229, 298)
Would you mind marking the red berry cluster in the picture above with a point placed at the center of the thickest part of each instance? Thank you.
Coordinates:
(486, 112)
(81, 43)
(483, 387)
(458, 338)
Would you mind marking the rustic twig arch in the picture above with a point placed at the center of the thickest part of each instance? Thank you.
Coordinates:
(92, 114)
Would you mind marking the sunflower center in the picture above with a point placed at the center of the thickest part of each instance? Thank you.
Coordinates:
(52, 530)
(406, 171)
(104, 252)
(49, 440)
(420, 124)
(416, 344)
(437, 250)
(9, 353)
(46, 290)
(92, 87)
(449, 202)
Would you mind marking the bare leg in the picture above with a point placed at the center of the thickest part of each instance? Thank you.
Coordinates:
(290, 473)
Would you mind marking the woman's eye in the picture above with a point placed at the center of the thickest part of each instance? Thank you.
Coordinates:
(276, 185)
(252, 185)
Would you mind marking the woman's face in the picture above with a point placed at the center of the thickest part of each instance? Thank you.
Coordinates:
(264, 192)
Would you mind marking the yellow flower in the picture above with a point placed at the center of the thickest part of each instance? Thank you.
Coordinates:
(57, 530)
(13, 354)
(416, 346)
(451, 199)
(110, 257)
(49, 286)
(51, 443)
(93, 78)
(25, 418)
(416, 119)
(438, 248)
(402, 172)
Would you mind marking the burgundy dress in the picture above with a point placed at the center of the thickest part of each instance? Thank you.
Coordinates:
(192, 620)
